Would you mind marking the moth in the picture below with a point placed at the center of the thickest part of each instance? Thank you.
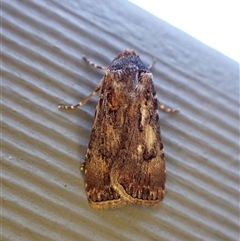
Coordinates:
(125, 161)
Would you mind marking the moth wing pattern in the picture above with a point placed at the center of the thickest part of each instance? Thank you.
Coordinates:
(125, 161)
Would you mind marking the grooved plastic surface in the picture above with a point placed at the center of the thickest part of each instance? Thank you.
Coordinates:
(43, 196)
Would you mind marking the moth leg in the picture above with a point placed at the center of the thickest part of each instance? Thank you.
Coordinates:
(152, 64)
(81, 103)
(166, 109)
(92, 64)
(82, 167)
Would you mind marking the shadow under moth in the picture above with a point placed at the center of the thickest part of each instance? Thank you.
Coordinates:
(125, 161)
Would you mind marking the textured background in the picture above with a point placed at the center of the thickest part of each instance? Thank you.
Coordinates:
(43, 194)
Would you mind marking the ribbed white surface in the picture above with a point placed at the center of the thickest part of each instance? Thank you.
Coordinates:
(43, 195)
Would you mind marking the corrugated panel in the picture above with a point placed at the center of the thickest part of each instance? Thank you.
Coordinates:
(43, 195)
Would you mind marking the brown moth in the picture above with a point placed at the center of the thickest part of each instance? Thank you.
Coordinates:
(125, 161)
